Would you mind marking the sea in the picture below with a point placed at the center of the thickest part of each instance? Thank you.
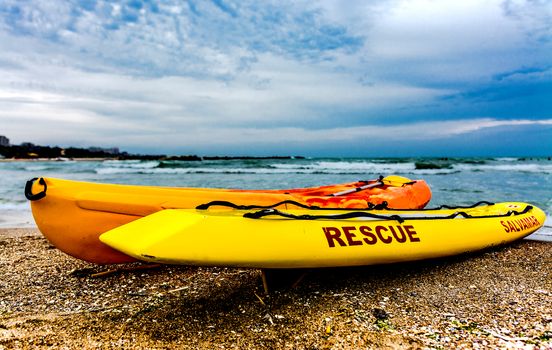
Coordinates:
(453, 181)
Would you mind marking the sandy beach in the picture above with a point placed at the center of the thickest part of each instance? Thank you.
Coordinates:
(500, 298)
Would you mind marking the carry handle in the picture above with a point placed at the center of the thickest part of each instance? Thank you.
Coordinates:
(29, 189)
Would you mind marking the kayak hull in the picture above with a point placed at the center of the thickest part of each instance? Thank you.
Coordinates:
(207, 238)
(72, 214)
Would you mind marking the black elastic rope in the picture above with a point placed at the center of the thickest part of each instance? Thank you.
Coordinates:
(444, 206)
(359, 214)
(468, 216)
(253, 206)
(349, 215)
(370, 206)
(381, 206)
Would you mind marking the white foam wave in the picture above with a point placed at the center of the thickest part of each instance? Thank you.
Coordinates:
(296, 167)
(508, 159)
(37, 167)
(434, 171)
(128, 164)
(16, 218)
(318, 167)
(347, 167)
(17, 206)
(520, 167)
(124, 163)
(201, 170)
(114, 161)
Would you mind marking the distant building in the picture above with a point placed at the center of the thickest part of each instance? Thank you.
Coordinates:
(4, 141)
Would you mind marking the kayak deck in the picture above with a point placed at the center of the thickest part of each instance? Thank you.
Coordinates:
(319, 238)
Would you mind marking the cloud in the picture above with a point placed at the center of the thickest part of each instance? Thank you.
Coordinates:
(248, 72)
(456, 44)
(534, 17)
(195, 38)
(298, 95)
(525, 91)
(405, 132)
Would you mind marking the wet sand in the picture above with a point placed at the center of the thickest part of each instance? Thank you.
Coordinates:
(500, 298)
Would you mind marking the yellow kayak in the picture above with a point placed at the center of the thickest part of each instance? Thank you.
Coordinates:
(280, 238)
(73, 214)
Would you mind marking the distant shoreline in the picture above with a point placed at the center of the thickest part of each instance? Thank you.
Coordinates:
(10, 160)
(30, 151)
(161, 158)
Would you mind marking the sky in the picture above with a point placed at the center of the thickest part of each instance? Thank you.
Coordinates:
(313, 78)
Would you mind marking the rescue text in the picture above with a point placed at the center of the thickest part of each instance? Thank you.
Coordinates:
(351, 235)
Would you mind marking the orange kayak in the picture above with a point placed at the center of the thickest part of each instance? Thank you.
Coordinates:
(73, 214)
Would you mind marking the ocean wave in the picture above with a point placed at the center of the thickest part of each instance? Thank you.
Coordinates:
(10, 218)
(53, 167)
(131, 164)
(172, 164)
(461, 190)
(435, 172)
(206, 170)
(315, 167)
(346, 166)
(38, 168)
(432, 166)
(15, 205)
(376, 169)
(520, 167)
(404, 166)
(449, 163)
